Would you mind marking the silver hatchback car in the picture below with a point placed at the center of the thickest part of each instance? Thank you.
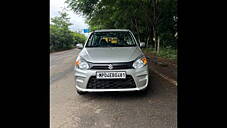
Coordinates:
(111, 60)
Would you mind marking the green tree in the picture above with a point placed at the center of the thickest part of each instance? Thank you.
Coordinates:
(150, 20)
(61, 38)
(78, 38)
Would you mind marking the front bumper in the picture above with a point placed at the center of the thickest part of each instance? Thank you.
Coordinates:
(140, 77)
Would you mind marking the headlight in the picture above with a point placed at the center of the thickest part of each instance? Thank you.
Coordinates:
(139, 63)
(81, 64)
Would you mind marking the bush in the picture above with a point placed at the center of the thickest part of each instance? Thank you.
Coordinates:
(168, 52)
(63, 39)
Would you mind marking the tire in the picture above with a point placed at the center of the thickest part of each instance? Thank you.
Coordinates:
(144, 91)
(80, 92)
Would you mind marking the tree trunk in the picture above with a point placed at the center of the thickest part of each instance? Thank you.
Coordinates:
(155, 38)
(154, 44)
(138, 38)
(147, 41)
(155, 24)
(137, 30)
(158, 45)
(135, 26)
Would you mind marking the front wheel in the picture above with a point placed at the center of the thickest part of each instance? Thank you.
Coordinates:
(80, 92)
(144, 91)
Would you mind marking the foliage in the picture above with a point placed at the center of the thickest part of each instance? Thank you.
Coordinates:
(168, 52)
(78, 38)
(168, 24)
(61, 38)
(147, 19)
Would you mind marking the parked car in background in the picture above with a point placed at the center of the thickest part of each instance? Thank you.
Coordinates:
(80, 46)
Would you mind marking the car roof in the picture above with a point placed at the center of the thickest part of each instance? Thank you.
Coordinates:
(110, 30)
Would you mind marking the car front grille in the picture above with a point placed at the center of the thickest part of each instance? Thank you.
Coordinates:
(94, 83)
(115, 66)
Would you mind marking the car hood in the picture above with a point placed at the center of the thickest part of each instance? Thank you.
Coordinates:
(110, 55)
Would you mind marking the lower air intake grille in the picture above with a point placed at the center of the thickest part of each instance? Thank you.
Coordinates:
(94, 83)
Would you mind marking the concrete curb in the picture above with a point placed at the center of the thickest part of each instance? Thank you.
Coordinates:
(166, 78)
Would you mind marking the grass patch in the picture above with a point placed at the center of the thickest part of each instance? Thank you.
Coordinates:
(61, 49)
(168, 53)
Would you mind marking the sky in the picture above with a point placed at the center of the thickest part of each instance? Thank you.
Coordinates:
(77, 20)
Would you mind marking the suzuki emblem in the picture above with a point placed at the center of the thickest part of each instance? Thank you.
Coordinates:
(110, 66)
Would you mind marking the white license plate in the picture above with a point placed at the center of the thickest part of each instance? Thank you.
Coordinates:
(110, 75)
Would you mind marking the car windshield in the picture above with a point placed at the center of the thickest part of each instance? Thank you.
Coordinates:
(111, 39)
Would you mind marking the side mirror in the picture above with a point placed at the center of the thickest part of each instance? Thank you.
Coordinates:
(142, 44)
(79, 46)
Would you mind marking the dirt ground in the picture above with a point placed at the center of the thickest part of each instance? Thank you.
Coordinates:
(164, 66)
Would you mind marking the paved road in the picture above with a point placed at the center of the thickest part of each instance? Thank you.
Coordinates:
(156, 109)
